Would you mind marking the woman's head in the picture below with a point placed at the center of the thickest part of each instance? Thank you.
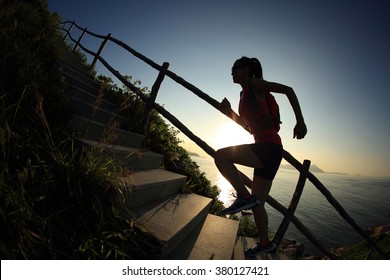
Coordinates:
(249, 67)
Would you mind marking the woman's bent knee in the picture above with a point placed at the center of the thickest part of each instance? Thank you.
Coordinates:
(220, 154)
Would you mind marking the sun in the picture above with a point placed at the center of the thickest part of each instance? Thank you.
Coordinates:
(231, 134)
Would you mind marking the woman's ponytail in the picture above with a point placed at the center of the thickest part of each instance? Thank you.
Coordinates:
(256, 68)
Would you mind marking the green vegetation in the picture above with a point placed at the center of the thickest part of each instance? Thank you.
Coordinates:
(55, 197)
(363, 250)
(247, 227)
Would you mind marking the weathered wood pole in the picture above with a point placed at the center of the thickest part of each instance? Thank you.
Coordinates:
(153, 95)
(100, 50)
(79, 40)
(69, 30)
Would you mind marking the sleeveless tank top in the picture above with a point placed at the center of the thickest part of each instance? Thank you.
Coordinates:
(256, 116)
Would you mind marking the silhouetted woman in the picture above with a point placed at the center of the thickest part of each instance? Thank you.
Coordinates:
(265, 154)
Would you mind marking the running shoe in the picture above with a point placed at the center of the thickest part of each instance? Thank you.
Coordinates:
(241, 204)
(258, 249)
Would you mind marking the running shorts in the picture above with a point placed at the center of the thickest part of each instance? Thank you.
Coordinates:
(270, 155)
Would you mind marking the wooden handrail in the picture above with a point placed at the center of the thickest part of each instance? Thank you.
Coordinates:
(303, 169)
(80, 37)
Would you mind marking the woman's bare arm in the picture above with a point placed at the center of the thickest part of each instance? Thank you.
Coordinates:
(260, 85)
(226, 108)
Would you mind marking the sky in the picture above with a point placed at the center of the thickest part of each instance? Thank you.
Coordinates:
(334, 54)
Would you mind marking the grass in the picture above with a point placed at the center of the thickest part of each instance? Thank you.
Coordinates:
(55, 196)
(363, 250)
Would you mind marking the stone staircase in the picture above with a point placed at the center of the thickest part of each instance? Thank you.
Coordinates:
(181, 221)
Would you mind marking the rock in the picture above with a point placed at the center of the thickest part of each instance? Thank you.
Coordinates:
(292, 248)
(379, 230)
(339, 251)
(310, 258)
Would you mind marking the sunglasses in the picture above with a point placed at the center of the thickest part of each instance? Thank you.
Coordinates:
(235, 67)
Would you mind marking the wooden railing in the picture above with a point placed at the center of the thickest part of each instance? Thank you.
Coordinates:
(305, 174)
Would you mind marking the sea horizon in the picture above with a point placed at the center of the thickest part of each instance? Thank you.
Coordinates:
(313, 168)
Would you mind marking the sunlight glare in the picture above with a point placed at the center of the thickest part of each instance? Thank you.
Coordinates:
(226, 190)
(231, 134)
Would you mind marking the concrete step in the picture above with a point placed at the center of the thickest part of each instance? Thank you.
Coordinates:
(243, 243)
(94, 112)
(76, 78)
(99, 132)
(172, 220)
(144, 186)
(133, 159)
(214, 240)
(81, 94)
(70, 59)
(76, 59)
(67, 65)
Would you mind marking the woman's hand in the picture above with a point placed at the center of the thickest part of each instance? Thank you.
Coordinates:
(300, 130)
(225, 106)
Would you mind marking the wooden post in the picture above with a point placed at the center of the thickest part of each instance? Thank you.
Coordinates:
(79, 40)
(69, 29)
(63, 25)
(153, 96)
(293, 204)
(100, 50)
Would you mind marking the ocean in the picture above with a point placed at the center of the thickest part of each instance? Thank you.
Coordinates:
(365, 199)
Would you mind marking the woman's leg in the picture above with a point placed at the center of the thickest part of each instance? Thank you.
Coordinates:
(226, 158)
(261, 188)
